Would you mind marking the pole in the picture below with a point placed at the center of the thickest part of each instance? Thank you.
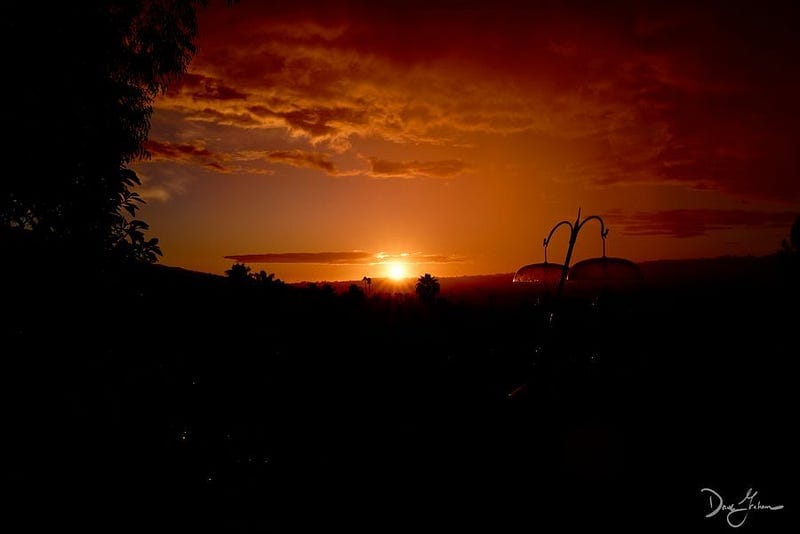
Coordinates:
(573, 236)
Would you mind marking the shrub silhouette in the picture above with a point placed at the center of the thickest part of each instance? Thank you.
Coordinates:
(239, 274)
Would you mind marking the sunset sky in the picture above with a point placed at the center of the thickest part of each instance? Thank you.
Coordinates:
(333, 140)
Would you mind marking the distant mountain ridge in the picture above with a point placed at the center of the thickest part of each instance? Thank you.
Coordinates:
(670, 271)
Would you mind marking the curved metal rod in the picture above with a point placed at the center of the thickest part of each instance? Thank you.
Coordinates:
(550, 235)
(603, 229)
(597, 218)
(574, 228)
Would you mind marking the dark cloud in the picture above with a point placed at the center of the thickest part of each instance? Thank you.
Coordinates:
(318, 122)
(695, 222)
(198, 154)
(228, 118)
(381, 168)
(302, 158)
(418, 257)
(699, 95)
(201, 87)
(343, 258)
(175, 151)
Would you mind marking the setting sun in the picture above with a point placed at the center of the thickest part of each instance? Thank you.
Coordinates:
(396, 271)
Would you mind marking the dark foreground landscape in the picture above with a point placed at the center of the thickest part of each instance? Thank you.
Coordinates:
(156, 399)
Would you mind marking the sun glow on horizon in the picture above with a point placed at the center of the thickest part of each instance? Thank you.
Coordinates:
(396, 270)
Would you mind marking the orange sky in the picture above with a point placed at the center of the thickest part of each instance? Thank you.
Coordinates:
(315, 135)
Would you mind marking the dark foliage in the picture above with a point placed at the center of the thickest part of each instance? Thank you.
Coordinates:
(791, 244)
(239, 274)
(82, 77)
(427, 288)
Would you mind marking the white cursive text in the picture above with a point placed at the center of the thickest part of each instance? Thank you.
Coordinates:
(737, 513)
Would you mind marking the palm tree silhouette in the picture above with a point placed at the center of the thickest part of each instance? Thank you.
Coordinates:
(427, 288)
(367, 281)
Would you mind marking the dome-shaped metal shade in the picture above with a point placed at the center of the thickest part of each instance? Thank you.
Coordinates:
(605, 269)
(539, 273)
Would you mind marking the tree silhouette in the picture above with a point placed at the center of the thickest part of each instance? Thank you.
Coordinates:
(367, 281)
(239, 274)
(427, 288)
(264, 278)
(790, 252)
(128, 242)
(794, 237)
(87, 74)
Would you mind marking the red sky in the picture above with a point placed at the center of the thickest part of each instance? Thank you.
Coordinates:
(329, 139)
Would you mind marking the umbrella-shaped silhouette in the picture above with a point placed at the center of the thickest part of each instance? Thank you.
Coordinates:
(595, 269)
(605, 269)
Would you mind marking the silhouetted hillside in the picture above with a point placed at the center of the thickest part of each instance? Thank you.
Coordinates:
(752, 270)
(241, 405)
